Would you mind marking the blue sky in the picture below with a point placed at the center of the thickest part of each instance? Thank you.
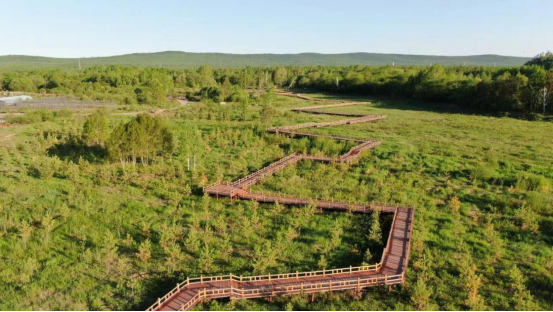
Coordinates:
(100, 28)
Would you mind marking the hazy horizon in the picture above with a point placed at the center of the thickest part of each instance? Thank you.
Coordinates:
(66, 29)
(298, 53)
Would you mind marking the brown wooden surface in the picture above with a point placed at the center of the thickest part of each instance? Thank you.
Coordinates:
(390, 270)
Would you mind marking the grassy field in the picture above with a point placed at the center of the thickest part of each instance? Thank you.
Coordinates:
(175, 59)
(80, 232)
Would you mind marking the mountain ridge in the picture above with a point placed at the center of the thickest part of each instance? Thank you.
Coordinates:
(179, 59)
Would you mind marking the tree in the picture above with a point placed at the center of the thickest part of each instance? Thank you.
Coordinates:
(454, 204)
(48, 223)
(267, 110)
(529, 218)
(144, 251)
(322, 264)
(265, 257)
(22, 84)
(25, 231)
(173, 257)
(367, 257)
(144, 137)
(96, 128)
(336, 235)
(420, 295)
(206, 260)
(544, 59)
(280, 75)
(471, 283)
(375, 233)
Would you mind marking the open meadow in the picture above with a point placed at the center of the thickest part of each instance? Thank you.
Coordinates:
(81, 232)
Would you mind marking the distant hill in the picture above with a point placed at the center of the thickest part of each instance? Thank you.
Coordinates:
(175, 59)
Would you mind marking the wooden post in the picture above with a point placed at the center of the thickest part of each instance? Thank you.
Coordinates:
(350, 269)
(158, 302)
(297, 275)
(201, 279)
(389, 288)
(312, 297)
(178, 287)
(301, 286)
(358, 283)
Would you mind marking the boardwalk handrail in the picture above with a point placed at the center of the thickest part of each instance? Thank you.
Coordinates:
(242, 293)
(242, 287)
(387, 248)
(265, 169)
(310, 108)
(256, 278)
(279, 277)
(254, 292)
(365, 207)
(329, 123)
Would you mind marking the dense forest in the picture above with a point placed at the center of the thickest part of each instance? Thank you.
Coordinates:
(491, 89)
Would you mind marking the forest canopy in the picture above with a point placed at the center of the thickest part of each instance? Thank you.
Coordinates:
(491, 89)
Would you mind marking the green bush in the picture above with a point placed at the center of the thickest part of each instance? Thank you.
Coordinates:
(531, 182)
(40, 115)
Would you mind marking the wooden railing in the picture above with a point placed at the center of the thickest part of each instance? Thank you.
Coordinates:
(252, 292)
(364, 207)
(365, 118)
(301, 286)
(297, 283)
(210, 185)
(309, 108)
(388, 246)
(409, 235)
(356, 150)
(256, 278)
(242, 293)
(260, 173)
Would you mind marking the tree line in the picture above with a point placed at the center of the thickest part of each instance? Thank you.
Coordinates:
(522, 89)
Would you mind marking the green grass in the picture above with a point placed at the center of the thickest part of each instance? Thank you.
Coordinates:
(175, 59)
(499, 168)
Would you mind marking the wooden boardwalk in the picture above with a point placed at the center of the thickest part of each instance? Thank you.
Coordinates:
(389, 271)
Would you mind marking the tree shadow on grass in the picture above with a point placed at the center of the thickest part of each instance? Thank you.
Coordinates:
(153, 288)
(442, 108)
(74, 152)
(402, 103)
(546, 228)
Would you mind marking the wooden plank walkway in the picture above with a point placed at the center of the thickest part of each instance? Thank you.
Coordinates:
(389, 271)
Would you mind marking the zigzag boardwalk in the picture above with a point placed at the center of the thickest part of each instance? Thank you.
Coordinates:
(389, 271)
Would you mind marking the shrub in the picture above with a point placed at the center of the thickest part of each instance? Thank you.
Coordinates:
(40, 115)
(531, 182)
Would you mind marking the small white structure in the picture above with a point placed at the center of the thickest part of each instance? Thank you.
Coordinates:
(11, 100)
